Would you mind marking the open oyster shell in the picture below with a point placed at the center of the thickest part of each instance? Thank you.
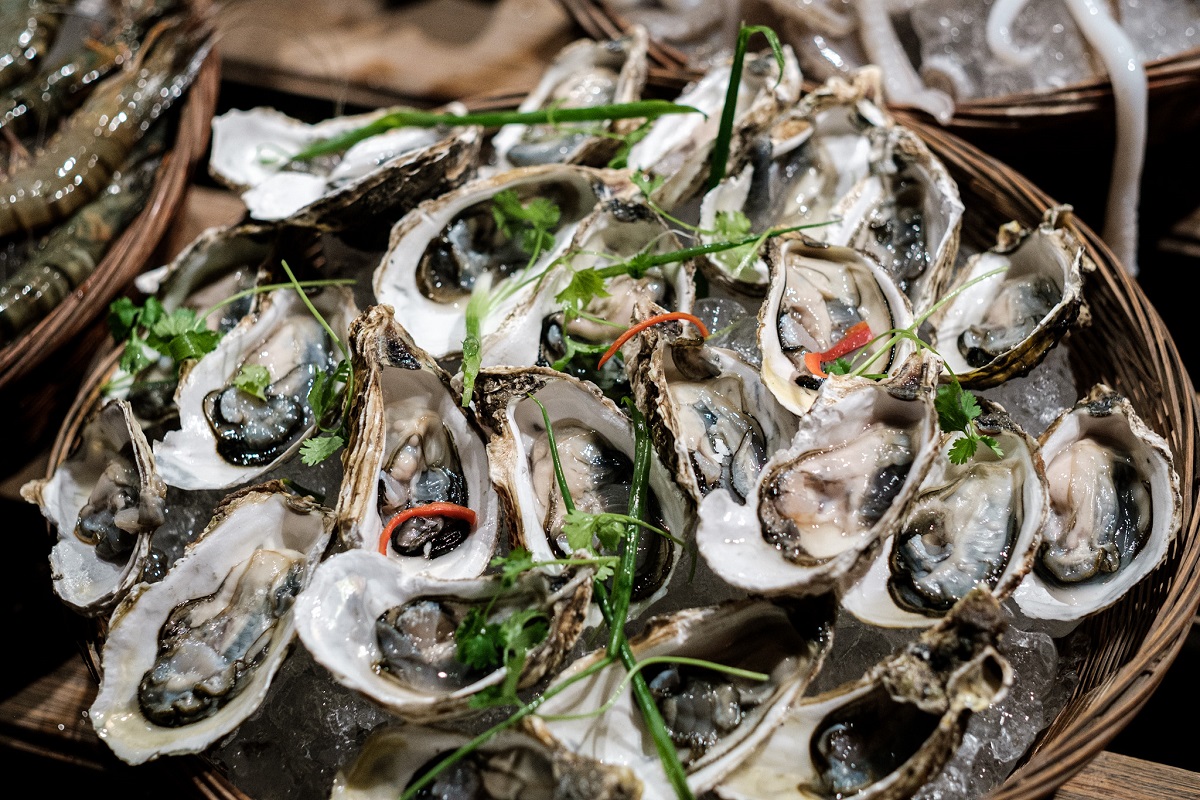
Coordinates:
(907, 214)
(715, 720)
(714, 423)
(678, 148)
(820, 508)
(533, 334)
(971, 524)
(393, 170)
(886, 734)
(1115, 508)
(105, 501)
(584, 73)
(189, 658)
(510, 764)
(440, 249)
(595, 443)
(228, 436)
(412, 443)
(1003, 326)
(816, 294)
(389, 635)
(812, 155)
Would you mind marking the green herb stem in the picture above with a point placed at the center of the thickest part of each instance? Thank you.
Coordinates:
(720, 152)
(524, 711)
(623, 584)
(647, 109)
(270, 287)
(667, 754)
(313, 309)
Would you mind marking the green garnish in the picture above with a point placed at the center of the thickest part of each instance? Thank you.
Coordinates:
(488, 646)
(608, 529)
(620, 159)
(528, 223)
(150, 332)
(253, 379)
(720, 152)
(957, 410)
(840, 366)
(644, 109)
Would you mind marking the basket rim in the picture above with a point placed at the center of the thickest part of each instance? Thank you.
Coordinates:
(127, 255)
(671, 66)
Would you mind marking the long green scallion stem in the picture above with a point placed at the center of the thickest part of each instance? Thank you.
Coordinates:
(643, 109)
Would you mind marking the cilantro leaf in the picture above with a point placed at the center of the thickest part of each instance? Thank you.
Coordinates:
(839, 366)
(585, 285)
(177, 323)
(319, 448)
(253, 379)
(518, 560)
(135, 358)
(963, 450)
(529, 223)
(648, 184)
(123, 316)
(324, 393)
(477, 644)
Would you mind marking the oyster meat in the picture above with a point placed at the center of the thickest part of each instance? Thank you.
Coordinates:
(189, 658)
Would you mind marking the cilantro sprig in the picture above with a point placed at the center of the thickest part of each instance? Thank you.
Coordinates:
(957, 411)
(487, 646)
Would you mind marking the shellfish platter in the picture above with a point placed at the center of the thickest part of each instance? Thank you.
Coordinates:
(610, 447)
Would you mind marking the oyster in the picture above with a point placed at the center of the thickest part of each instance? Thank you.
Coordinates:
(1002, 326)
(187, 659)
(389, 635)
(678, 148)
(888, 733)
(105, 500)
(440, 249)
(812, 155)
(412, 443)
(230, 436)
(971, 524)
(543, 332)
(819, 509)
(713, 422)
(387, 173)
(509, 765)
(714, 719)
(584, 73)
(907, 214)
(595, 446)
(817, 294)
(1115, 508)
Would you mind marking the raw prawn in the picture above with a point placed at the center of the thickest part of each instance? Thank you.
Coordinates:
(80, 158)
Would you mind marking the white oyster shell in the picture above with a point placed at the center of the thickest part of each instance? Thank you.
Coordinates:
(528, 491)
(508, 763)
(679, 148)
(260, 533)
(399, 386)
(977, 523)
(438, 326)
(1002, 326)
(188, 458)
(112, 452)
(819, 498)
(1078, 449)
(336, 620)
(618, 230)
(756, 635)
(584, 73)
(909, 712)
(816, 294)
(251, 148)
(811, 157)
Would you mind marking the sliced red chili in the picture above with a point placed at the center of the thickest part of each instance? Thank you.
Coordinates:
(856, 336)
(451, 510)
(646, 323)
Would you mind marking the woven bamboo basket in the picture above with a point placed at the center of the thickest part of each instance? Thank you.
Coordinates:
(1172, 82)
(45, 363)
(1133, 643)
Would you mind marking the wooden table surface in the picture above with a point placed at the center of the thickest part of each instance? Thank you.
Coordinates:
(44, 730)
